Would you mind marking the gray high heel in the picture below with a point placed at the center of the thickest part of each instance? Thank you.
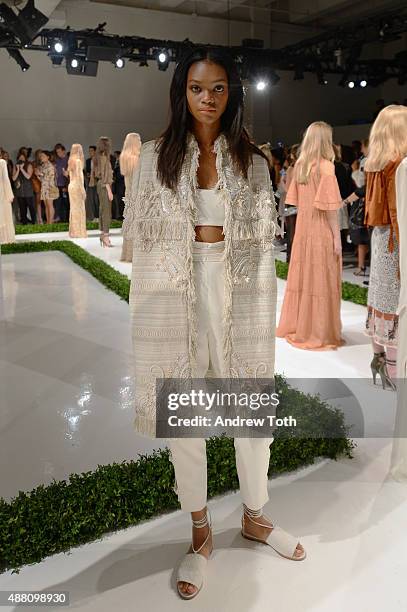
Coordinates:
(379, 366)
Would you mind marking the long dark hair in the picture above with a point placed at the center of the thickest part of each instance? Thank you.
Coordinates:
(171, 145)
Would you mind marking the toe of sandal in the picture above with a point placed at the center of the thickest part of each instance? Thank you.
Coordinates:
(192, 569)
(285, 544)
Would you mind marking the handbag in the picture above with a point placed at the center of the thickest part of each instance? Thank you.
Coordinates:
(54, 192)
(357, 214)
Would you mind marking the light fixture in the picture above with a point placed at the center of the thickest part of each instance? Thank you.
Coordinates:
(74, 62)
(119, 62)
(351, 84)
(363, 83)
(58, 46)
(16, 55)
(261, 85)
(163, 60)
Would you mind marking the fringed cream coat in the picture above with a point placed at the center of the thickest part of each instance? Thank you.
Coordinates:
(399, 453)
(162, 294)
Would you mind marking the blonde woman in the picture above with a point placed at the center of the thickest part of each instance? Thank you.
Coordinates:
(128, 163)
(310, 316)
(387, 148)
(77, 193)
(103, 173)
(7, 231)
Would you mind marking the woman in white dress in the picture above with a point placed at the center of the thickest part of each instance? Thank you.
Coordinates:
(7, 231)
(128, 163)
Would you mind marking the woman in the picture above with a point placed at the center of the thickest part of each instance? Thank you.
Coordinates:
(7, 232)
(37, 187)
(23, 188)
(77, 193)
(202, 290)
(49, 190)
(290, 212)
(128, 163)
(387, 147)
(310, 316)
(103, 174)
(359, 233)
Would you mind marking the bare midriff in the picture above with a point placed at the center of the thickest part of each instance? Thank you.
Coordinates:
(209, 233)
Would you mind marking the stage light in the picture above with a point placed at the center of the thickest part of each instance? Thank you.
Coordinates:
(58, 46)
(351, 84)
(163, 60)
(56, 59)
(261, 85)
(74, 63)
(16, 55)
(363, 83)
(119, 62)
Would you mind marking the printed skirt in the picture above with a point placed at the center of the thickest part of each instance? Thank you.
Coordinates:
(384, 289)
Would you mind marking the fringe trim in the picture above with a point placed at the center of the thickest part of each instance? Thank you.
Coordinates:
(261, 230)
(191, 176)
(159, 229)
(145, 426)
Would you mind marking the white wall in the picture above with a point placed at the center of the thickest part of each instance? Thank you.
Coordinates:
(46, 105)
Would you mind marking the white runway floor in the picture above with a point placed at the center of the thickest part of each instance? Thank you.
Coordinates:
(65, 368)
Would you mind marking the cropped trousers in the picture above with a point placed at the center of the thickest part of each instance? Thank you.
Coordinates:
(188, 455)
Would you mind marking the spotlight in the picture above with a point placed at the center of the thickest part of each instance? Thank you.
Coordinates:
(56, 59)
(16, 55)
(351, 84)
(363, 83)
(261, 85)
(81, 67)
(119, 62)
(58, 46)
(163, 60)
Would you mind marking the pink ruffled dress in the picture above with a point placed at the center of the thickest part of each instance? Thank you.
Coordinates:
(310, 317)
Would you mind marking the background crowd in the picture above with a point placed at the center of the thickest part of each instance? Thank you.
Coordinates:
(40, 182)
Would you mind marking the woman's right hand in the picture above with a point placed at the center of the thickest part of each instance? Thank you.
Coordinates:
(338, 247)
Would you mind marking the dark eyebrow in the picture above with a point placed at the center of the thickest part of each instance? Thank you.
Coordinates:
(215, 81)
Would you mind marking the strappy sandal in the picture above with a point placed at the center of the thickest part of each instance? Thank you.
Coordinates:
(192, 568)
(360, 272)
(281, 541)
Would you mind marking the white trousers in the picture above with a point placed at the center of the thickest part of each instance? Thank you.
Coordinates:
(188, 455)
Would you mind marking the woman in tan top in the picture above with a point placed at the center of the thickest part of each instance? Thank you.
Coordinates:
(49, 190)
(102, 172)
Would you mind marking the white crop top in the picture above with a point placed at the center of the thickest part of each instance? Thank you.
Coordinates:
(210, 211)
